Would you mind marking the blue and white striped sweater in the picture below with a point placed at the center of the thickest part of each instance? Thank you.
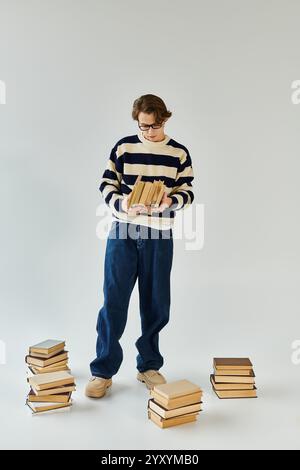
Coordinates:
(166, 160)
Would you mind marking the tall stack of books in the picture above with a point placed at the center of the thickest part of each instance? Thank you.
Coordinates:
(233, 378)
(174, 403)
(146, 193)
(49, 377)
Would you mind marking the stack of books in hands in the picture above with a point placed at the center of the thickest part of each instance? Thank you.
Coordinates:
(49, 377)
(233, 378)
(146, 193)
(174, 403)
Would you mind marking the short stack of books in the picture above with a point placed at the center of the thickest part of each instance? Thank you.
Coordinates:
(174, 403)
(233, 378)
(49, 377)
(48, 356)
(146, 193)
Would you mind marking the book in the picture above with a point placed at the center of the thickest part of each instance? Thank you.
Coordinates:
(137, 195)
(177, 389)
(47, 356)
(176, 402)
(175, 421)
(51, 380)
(157, 193)
(175, 394)
(54, 391)
(42, 407)
(223, 394)
(58, 398)
(46, 362)
(41, 370)
(154, 193)
(160, 193)
(144, 195)
(235, 379)
(52, 366)
(148, 194)
(245, 373)
(164, 413)
(47, 347)
(233, 363)
(229, 386)
(131, 195)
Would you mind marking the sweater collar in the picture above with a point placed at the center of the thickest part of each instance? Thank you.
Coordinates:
(150, 143)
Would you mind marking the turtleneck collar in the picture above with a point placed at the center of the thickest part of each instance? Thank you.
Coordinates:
(150, 143)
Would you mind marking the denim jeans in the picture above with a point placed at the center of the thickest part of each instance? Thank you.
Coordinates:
(133, 252)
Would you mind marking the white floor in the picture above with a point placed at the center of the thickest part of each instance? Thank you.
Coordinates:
(119, 420)
(264, 331)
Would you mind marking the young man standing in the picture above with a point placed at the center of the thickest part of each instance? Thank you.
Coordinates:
(140, 243)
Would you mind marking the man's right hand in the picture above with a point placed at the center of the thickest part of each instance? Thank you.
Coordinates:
(133, 211)
(124, 204)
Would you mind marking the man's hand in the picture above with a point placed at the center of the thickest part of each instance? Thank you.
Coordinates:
(142, 209)
(165, 203)
(133, 211)
(124, 204)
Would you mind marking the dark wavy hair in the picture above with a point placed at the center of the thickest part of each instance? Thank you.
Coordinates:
(151, 104)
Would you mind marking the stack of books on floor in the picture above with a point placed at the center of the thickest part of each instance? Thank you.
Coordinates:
(233, 378)
(174, 403)
(146, 193)
(49, 377)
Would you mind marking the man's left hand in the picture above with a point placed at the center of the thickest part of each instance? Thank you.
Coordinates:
(165, 203)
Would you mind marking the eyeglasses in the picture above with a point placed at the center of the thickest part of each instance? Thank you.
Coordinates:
(147, 127)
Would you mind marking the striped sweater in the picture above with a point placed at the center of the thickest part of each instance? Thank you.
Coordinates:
(166, 160)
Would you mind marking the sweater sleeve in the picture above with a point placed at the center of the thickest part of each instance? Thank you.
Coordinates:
(182, 194)
(110, 185)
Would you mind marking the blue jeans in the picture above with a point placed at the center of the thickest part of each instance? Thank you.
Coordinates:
(133, 251)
